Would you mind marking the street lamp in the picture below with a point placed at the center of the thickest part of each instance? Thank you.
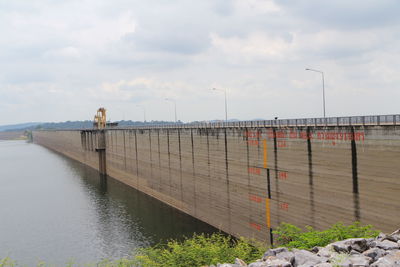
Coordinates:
(144, 112)
(323, 86)
(174, 101)
(226, 104)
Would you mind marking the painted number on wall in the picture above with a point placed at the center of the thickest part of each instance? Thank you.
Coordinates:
(284, 206)
(253, 170)
(255, 198)
(283, 175)
(255, 226)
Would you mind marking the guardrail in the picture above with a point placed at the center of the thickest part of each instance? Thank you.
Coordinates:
(331, 121)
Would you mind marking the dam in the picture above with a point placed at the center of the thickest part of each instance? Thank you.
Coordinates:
(245, 178)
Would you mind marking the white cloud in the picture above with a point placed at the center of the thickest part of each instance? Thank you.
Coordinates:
(257, 6)
(253, 47)
(61, 60)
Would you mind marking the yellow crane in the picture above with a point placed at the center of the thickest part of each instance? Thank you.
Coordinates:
(100, 120)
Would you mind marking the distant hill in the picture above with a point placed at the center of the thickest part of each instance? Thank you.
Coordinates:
(15, 127)
(71, 125)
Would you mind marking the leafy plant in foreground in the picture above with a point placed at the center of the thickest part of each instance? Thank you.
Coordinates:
(293, 237)
(200, 250)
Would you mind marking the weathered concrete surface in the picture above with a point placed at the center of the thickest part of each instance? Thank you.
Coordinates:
(317, 175)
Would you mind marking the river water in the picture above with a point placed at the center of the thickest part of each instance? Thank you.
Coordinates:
(57, 210)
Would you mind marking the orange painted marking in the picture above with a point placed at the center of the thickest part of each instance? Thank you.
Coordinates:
(268, 212)
(265, 153)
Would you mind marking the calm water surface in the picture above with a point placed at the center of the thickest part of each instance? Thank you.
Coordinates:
(56, 210)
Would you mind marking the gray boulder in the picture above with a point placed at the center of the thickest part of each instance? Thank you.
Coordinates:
(346, 246)
(271, 261)
(228, 265)
(287, 256)
(360, 261)
(395, 236)
(374, 253)
(278, 263)
(326, 252)
(386, 245)
(258, 264)
(341, 247)
(325, 264)
(381, 237)
(274, 251)
(304, 257)
(358, 244)
(390, 260)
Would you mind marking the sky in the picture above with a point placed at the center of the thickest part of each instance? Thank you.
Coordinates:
(61, 60)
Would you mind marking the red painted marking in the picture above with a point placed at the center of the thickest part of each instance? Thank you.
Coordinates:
(277, 134)
(293, 135)
(284, 206)
(253, 170)
(337, 136)
(283, 175)
(252, 134)
(255, 226)
(255, 198)
(358, 136)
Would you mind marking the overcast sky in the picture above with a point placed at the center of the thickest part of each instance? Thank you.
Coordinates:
(61, 60)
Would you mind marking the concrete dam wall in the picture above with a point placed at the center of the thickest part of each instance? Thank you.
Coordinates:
(247, 180)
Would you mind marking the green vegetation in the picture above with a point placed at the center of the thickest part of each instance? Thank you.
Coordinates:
(203, 250)
(291, 236)
(200, 250)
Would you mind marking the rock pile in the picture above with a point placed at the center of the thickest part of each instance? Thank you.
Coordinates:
(382, 251)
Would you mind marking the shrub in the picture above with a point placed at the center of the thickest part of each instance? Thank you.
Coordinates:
(293, 237)
(200, 250)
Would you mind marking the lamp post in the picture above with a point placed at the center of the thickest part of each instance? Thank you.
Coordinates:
(174, 101)
(323, 87)
(144, 112)
(226, 104)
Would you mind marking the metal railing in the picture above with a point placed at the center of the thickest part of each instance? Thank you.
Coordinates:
(331, 121)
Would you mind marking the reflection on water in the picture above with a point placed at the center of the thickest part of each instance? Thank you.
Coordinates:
(55, 209)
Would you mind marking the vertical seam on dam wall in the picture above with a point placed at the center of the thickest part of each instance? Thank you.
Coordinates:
(227, 181)
(151, 157)
(180, 163)
(159, 159)
(271, 237)
(276, 175)
(137, 161)
(248, 174)
(169, 164)
(194, 174)
(209, 169)
(311, 176)
(356, 196)
(123, 133)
